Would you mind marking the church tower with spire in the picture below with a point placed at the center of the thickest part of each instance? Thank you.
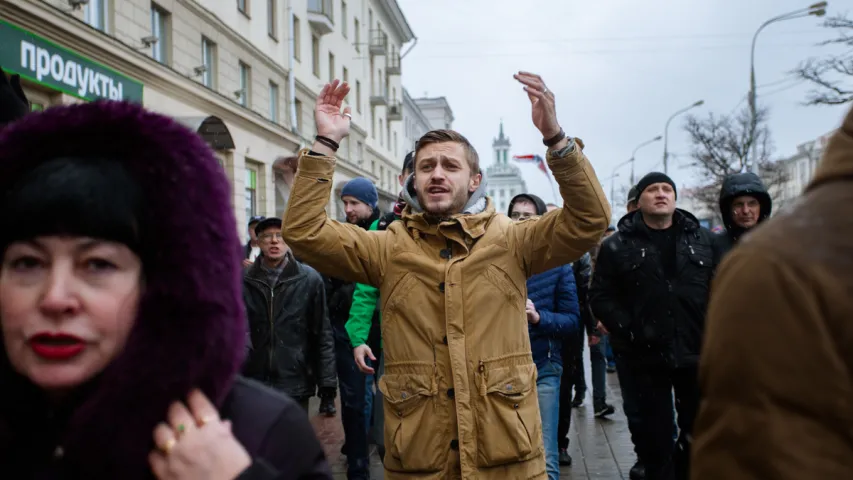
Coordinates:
(504, 178)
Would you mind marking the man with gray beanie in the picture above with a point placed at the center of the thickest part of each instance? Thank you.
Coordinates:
(650, 290)
(360, 200)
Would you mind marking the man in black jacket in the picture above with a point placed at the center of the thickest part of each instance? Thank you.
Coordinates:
(744, 203)
(293, 345)
(360, 205)
(650, 290)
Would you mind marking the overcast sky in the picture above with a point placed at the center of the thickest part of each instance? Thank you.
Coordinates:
(619, 69)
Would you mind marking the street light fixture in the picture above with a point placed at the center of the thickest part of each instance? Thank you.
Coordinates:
(666, 134)
(817, 10)
(647, 142)
(613, 178)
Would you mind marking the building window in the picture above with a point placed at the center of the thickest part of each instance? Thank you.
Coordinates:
(357, 36)
(297, 105)
(345, 76)
(359, 151)
(159, 29)
(243, 7)
(395, 144)
(272, 19)
(381, 131)
(95, 13)
(208, 61)
(297, 35)
(344, 19)
(245, 84)
(358, 96)
(251, 192)
(381, 175)
(315, 55)
(373, 123)
(331, 67)
(273, 102)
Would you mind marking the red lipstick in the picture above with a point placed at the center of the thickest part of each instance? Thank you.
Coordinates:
(57, 346)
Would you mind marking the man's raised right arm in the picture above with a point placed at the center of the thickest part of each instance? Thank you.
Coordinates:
(333, 248)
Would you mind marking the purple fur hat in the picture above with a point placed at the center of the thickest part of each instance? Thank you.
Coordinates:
(191, 327)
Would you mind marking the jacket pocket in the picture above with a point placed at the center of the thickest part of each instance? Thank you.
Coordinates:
(507, 414)
(506, 286)
(413, 440)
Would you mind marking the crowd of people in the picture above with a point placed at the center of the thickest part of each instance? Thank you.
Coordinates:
(141, 340)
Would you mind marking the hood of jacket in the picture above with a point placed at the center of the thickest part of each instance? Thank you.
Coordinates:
(476, 202)
(633, 221)
(837, 161)
(541, 208)
(190, 328)
(735, 186)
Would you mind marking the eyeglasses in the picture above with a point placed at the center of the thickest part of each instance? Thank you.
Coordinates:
(269, 236)
(520, 216)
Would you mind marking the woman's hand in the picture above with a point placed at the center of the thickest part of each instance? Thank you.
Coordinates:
(195, 443)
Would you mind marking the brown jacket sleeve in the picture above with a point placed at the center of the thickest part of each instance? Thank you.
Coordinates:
(775, 383)
(566, 234)
(333, 248)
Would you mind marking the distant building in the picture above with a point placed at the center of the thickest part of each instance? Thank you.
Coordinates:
(415, 122)
(437, 111)
(504, 179)
(799, 170)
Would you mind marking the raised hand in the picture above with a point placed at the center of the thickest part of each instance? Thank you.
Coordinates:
(542, 103)
(13, 101)
(331, 122)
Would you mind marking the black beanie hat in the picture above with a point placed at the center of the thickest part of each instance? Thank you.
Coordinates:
(651, 179)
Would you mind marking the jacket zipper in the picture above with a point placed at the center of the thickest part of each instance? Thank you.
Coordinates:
(272, 329)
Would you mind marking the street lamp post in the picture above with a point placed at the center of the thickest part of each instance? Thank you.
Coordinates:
(647, 142)
(613, 177)
(818, 10)
(666, 134)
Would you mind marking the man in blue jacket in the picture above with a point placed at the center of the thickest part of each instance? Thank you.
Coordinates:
(552, 313)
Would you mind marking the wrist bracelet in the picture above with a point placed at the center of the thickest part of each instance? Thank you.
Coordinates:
(550, 142)
(328, 142)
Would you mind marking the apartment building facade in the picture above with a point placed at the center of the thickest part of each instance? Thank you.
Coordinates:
(243, 73)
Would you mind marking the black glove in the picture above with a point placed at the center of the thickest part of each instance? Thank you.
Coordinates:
(13, 103)
(327, 392)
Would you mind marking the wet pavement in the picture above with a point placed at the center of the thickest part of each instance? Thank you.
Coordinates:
(600, 448)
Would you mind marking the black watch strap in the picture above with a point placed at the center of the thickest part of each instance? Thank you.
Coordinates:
(550, 142)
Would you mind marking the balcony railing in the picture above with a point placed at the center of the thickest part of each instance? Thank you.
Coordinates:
(379, 97)
(394, 64)
(395, 111)
(378, 42)
(321, 15)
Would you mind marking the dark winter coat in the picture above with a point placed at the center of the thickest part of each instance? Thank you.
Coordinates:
(190, 327)
(583, 276)
(650, 318)
(555, 296)
(293, 344)
(735, 186)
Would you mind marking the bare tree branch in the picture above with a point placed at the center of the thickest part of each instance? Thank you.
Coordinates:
(832, 74)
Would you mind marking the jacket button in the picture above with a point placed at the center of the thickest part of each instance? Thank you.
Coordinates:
(446, 253)
(515, 406)
(454, 444)
(451, 393)
(444, 340)
(441, 287)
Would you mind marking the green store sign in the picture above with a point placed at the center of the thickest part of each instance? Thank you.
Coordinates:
(48, 64)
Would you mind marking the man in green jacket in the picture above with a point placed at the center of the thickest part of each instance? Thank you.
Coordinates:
(364, 309)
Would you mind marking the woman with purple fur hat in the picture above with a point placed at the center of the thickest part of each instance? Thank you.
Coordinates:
(121, 311)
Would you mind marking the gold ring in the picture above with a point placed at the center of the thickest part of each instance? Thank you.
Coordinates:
(170, 444)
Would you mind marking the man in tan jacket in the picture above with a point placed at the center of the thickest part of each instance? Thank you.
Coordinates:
(459, 384)
(782, 407)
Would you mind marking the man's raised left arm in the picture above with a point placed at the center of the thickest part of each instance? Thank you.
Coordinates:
(566, 234)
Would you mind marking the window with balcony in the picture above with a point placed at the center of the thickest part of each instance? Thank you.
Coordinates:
(344, 22)
(243, 7)
(273, 102)
(357, 42)
(331, 67)
(315, 55)
(245, 91)
(321, 15)
(272, 19)
(208, 61)
(95, 14)
(297, 38)
(160, 29)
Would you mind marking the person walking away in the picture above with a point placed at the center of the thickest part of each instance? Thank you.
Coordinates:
(252, 249)
(650, 290)
(744, 203)
(360, 201)
(365, 319)
(459, 376)
(293, 345)
(790, 288)
(552, 314)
